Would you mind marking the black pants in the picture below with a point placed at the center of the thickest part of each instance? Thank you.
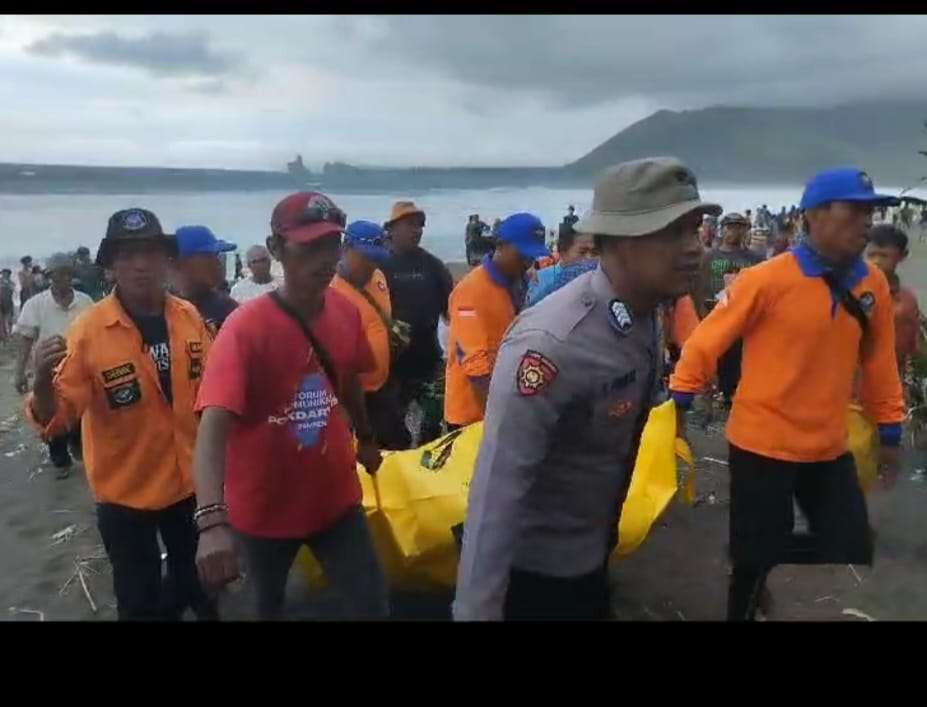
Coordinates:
(537, 597)
(130, 538)
(386, 417)
(762, 520)
(729, 369)
(348, 558)
(415, 388)
(58, 447)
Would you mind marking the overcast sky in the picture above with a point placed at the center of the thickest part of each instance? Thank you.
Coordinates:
(251, 91)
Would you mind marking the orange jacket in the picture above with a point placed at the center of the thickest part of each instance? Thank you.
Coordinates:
(374, 328)
(138, 451)
(480, 309)
(684, 320)
(800, 352)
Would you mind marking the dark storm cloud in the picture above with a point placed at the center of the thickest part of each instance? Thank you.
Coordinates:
(587, 60)
(160, 53)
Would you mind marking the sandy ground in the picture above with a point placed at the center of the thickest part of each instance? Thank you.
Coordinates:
(679, 574)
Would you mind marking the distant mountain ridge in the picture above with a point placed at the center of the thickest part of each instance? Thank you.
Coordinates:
(721, 144)
(776, 144)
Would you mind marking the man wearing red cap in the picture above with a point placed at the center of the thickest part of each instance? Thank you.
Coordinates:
(275, 456)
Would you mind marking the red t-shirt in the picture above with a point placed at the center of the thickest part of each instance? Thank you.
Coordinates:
(290, 461)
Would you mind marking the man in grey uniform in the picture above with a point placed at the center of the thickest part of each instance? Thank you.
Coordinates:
(574, 380)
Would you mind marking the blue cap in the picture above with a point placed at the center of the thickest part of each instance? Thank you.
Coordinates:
(367, 237)
(843, 184)
(194, 240)
(525, 232)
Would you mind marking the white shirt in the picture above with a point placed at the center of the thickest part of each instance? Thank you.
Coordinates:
(42, 316)
(243, 290)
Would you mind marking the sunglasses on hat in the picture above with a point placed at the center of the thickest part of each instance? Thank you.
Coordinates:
(321, 213)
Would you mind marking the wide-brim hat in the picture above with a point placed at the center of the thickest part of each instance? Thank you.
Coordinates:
(403, 209)
(643, 196)
(133, 225)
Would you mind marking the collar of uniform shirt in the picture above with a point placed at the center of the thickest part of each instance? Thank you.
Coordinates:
(813, 264)
(515, 289)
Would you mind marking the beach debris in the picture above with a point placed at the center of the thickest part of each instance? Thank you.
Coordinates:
(828, 597)
(34, 612)
(20, 448)
(918, 475)
(82, 567)
(859, 580)
(858, 614)
(714, 461)
(9, 423)
(65, 534)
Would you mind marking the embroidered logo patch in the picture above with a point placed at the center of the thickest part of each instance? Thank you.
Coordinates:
(121, 396)
(134, 221)
(535, 373)
(865, 180)
(867, 302)
(195, 347)
(621, 316)
(196, 368)
(120, 371)
(381, 285)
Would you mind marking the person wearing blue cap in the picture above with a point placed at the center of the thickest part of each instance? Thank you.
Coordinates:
(810, 319)
(359, 278)
(481, 308)
(198, 274)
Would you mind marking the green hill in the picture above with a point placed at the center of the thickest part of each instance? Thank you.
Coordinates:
(776, 144)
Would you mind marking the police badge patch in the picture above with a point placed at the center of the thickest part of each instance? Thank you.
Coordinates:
(621, 316)
(867, 302)
(535, 373)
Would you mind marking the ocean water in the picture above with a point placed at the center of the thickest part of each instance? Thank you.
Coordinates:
(41, 224)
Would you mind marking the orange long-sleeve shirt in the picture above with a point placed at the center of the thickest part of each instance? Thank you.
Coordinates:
(138, 448)
(800, 352)
(481, 309)
(374, 328)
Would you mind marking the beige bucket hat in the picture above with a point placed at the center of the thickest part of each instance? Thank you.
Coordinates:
(641, 197)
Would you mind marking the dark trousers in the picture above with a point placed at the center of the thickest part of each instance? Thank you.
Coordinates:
(130, 537)
(386, 417)
(538, 597)
(729, 369)
(762, 521)
(348, 558)
(58, 447)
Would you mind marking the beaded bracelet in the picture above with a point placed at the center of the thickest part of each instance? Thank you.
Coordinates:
(211, 508)
(211, 526)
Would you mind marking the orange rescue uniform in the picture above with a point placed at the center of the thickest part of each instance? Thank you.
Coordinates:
(138, 449)
(374, 327)
(480, 309)
(800, 352)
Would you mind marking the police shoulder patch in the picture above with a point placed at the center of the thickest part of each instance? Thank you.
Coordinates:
(535, 373)
(620, 316)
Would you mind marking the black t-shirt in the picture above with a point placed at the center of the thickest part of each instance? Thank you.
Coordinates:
(214, 307)
(153, 329)
(419, 287)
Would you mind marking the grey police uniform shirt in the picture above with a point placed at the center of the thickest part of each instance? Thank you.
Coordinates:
(566, 402)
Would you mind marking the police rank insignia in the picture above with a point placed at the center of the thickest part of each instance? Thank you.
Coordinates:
(867, 302)
(535, 373)
(621, 317)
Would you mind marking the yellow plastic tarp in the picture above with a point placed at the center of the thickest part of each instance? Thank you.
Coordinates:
(864, 444)
(417, 502)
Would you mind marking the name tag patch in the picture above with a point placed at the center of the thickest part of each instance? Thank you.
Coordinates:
(124, 395)
(120, 371)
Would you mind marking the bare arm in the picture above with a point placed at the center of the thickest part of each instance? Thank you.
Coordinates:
(368, 453)
(25, 348)
(209, 455)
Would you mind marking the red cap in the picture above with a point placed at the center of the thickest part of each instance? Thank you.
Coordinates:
(306, 216)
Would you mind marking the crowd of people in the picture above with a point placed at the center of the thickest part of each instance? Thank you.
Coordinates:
(231, 423)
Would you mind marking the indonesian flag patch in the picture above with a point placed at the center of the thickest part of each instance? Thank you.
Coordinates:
(535, 373)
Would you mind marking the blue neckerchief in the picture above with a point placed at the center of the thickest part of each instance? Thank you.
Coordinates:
(516, 289)
(813, 264)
